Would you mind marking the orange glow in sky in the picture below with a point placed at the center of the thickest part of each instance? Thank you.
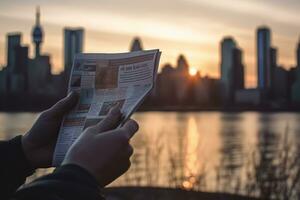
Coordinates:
(193, 71)
(190, 27)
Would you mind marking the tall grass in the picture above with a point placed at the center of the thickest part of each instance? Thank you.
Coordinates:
(271, 171)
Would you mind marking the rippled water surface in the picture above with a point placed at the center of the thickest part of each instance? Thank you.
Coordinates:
(193, 149)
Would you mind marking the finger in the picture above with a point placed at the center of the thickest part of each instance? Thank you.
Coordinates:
(127, 153)
(111, 121)
(130, 151)
(126, 165)
(130, 128)
(123, 165)
(64, 105)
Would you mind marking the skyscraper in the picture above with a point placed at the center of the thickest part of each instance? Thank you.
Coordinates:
(263, 58)
(13, 41)
(21, 68)
(3, 83)
(22, 61)
(296, 85)
(182, 80)
(298, 54)
(273, 58)
(136, 44)
(238, 70)
(37, 33)
(73, 41)
(227, 62)
(182, 64)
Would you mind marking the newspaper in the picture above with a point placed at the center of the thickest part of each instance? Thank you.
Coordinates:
(102, 80)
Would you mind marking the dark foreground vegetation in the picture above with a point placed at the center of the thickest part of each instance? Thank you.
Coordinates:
(158, 193)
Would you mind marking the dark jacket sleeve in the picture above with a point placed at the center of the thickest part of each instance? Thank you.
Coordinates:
(14, 167)
(68, 182)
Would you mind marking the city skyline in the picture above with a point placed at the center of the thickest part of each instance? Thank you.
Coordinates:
(276, 86)
(197, 36)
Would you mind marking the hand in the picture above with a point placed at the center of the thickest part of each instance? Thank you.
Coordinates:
(103, 150)
(39, 143)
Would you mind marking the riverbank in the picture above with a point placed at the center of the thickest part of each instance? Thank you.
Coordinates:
(219, 109)
(172, 109)
(159, 193)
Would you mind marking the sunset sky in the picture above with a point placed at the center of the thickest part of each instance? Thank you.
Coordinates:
(191, 27)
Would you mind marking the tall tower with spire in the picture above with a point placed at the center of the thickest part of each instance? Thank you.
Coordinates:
(37, 33)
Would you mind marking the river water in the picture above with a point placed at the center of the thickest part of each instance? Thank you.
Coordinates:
(197, 150)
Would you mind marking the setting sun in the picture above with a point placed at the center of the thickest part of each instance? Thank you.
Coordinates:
(193, 71)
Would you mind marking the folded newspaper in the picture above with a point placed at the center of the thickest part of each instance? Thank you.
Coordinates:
(102, 80)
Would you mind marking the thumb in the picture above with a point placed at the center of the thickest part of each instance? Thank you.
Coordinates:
(130, 128)
(64, 105)
(111, 121)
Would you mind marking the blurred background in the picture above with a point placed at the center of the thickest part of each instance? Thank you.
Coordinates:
(223, 117)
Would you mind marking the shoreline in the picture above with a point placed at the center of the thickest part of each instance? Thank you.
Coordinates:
(182, 110)
(159, 193)
(218, 109)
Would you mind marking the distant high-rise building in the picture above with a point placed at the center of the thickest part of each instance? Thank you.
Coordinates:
(280, 84)
(13, 41)
(296, 85)
(136, 44)
(22, 61)
(3, 82)
(298, 54)
(17, 64)
(274, 71)
(228, 45)
(182, 79)
(37, 34)
(39, 75)
(263, 58)
(273, 57)
(21, 68)
(73, 41)
(238, 70)
(182, 64)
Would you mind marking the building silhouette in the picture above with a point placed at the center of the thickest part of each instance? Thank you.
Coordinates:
(232, 69)
(182, 80)
(37, 33)
(136, 44)
(173, 85)
(20, 71)
(73, 44)
(298, 54)
(182, 64)
(296, 85)
(31, 78)
(279, 77)
(17, 64)
(13, 41)
(263, 58)
(39, 72)
(238, 70)
(273, 58)
(176, 88)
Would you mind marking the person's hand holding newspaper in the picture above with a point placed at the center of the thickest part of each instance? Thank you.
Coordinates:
(104, 148)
